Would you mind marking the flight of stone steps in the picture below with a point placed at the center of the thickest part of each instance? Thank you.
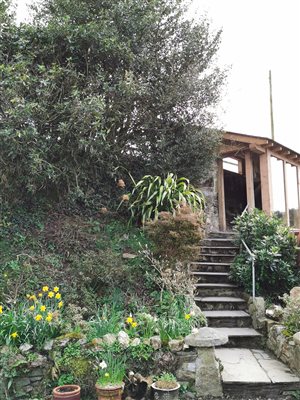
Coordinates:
(220, 300)
(248, 369)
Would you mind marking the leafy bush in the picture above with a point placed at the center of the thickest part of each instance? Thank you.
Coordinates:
(274, 248)
(291, 314)
(153, 194)
(176, 236)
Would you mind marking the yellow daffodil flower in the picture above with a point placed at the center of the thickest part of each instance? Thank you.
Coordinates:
(45, 288)
(56, 289)
(38, 317)
(43, 308)
(129, 320)
(40, 294)
(134, 324)
(58, 296)
(33, 297)
(49, 317)
(60, 304)
(50, 295)
(14, 335)
(1, 309)
(106, 375)
(31, 308)
(187, 316)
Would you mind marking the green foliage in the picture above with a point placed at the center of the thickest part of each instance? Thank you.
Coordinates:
(176, 236)
(87, 88)
(111, 369)
(291, 314)
(153, 194)
(107, 320)
(275, 252)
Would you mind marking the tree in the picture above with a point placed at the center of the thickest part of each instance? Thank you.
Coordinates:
(92, 86)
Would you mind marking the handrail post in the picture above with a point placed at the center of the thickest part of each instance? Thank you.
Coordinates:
(253, 278)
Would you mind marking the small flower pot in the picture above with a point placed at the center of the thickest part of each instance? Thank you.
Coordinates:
(165, 394)
(109, 392)
(68, 392)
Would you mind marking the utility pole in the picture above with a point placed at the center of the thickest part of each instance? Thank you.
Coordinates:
(271, 105)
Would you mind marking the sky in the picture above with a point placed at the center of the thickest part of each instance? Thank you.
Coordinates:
(258, 36)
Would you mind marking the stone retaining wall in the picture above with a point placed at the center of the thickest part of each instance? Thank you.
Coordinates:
(287, 349)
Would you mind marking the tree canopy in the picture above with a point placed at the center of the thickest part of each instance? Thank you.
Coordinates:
(92, 86)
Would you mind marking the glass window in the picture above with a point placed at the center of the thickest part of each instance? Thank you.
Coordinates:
(278, 199)
(292, 195)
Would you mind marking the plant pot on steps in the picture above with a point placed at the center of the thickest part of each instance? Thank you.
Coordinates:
(109, 392)
(67, 392)
(165, 394)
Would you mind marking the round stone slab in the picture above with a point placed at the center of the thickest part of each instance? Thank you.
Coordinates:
(206, 337)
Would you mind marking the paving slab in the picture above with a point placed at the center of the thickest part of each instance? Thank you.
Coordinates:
(276, 370)
(240, 365)
(225, 313)
(238, 332)
(253, 366)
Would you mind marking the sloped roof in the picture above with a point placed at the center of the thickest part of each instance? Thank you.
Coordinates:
(235, 145)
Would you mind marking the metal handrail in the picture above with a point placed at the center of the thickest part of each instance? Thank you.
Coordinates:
(252, 256)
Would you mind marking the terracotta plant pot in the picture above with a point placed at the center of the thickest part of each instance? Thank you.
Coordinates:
(68, 392)
(109, 393)
(165, 394)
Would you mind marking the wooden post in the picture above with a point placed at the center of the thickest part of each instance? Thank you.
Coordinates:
(221, 196)
(266, 184)
(249, 181)
(286, 199)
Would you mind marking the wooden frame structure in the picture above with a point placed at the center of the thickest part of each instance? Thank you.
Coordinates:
(244, 148)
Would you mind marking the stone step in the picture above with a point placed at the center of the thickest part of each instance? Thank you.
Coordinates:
(243, 337)
(217, 289)
(224, 242)
(216, 258)
(211, 277)
(228, 319)
(203, 266)
(220, 303)
(253, 372)
(219, 249)
(220, 234)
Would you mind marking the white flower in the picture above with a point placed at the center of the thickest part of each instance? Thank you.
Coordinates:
(192, 313)
(103, 365)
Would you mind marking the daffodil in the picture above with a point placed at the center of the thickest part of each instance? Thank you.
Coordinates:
(103, 365)
(58, 296)
(43, 308)
(106, 375)
(40, 294)
(38, 317)
(14, 335)
(31, 308)
(60, 304)
(33, 297)
(187, 316)
(134, 324)
(49, 317)
(129, 320)
(56, 289)
(50, 295)
(1, 309)
(45, 288)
